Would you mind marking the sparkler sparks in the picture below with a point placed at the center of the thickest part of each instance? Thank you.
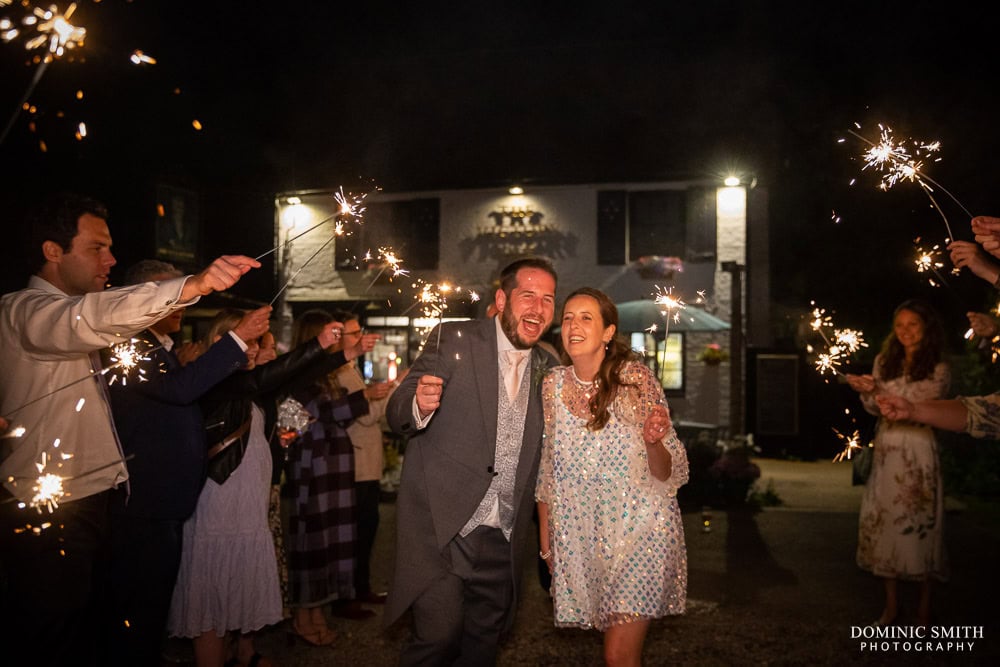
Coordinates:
(48, 28)
(138, 57)
(350, 204)
(433, 300)
(852, 445)
(48, 492)
(349, 208)
(928, 261)
(904, 161)
(13, 432)
(126, 357)
(670, 306)
(388, 261)
(840, 344)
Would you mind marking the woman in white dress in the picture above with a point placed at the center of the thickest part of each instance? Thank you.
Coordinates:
(610, 527)
(228, 578)
(900, 531)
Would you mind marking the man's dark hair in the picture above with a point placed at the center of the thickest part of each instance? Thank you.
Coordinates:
(508, 277)
(344, 316)
(57, 220)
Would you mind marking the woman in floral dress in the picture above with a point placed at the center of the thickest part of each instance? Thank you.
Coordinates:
(610, 527)
(900, 532)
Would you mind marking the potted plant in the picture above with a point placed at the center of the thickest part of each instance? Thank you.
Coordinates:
(735, 473)
(713, 355)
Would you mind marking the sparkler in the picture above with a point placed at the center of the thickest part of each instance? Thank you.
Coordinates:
(138, 57)
(48, 488)
(852, 445)
(304, 264)
(898, 162)
(844, 343)
(53, 31)
(670, 306)
(349, 207)
(13, 432)
(433, 300)
(125, 356)
(927, 260)
(388, 260)
(994, 341)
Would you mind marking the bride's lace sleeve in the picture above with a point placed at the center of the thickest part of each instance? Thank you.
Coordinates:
(634, 405)
(544, 486)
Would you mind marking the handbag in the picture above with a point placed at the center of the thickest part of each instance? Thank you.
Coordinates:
(861, 466)
(225, 456)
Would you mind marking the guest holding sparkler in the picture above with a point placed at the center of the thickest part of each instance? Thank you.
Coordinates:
(50, 333)
(161, 429)
(987, 233)
(971, 256)
(979, 416)
(610, 527)
(900, 534)
(321, 530)
(228, 577)
(471, 409)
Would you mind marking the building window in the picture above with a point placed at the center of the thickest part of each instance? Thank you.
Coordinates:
(411, 228)
(672, 364)
(656, 224)
(671, 223)
(666, 360)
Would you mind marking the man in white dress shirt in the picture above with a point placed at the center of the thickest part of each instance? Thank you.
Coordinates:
(49, 334)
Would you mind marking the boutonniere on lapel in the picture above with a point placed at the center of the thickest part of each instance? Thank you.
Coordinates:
(539, 370)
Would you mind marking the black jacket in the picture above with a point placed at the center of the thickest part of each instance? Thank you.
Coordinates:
(227, 406)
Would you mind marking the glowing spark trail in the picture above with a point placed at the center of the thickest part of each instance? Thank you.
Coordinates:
(389, 260)
(927, 260)
(54, 30)
(349, 208)
(670, 306)
(306, 263)
(125, 356)
(852, 444)
(844, 343)
(897, 163)
(140, 58)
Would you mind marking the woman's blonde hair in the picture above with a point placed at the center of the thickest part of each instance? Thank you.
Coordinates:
(223, 322)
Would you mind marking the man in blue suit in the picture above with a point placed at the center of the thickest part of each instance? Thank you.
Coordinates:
(162, 434)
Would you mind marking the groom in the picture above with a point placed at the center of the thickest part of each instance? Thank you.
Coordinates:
(471, 406)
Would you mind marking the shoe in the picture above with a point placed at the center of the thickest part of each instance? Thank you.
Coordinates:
(316, 636)
(373, 598)
(351, 610)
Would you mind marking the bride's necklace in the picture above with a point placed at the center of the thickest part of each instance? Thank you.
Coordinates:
(589, 388)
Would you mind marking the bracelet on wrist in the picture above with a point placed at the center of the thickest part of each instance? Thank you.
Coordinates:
(545, 555)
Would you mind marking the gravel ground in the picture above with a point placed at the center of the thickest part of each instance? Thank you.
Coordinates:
(774, 587)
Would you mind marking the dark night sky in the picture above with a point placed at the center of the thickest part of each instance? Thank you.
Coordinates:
(315, 94)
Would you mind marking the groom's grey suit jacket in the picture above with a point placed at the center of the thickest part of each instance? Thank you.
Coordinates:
(448, 465)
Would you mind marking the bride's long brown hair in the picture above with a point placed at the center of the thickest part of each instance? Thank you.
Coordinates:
(617, 354)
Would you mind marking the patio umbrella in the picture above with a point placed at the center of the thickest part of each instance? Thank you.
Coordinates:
(641, 314)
